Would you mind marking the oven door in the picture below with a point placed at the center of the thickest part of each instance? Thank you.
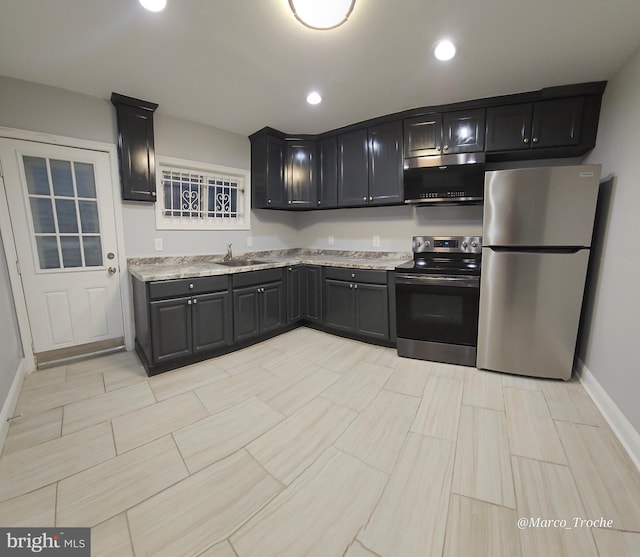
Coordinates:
(439, 309)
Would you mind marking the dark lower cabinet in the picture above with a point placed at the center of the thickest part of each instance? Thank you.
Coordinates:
(211, 321)
(354, 306)
(312, 290)
(295, 294)
(259, 304)
(371, 303)
(171, 335)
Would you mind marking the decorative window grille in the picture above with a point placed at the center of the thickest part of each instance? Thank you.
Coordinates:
(196, 196)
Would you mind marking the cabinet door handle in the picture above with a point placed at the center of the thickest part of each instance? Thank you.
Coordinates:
(351, 286)
(371, 198)
(289, 269)
(153, 194)
(364, 198)
(189, 302)
(195, 300)
(525, 140)
(355, 286)
(319, 202)
(535, 140)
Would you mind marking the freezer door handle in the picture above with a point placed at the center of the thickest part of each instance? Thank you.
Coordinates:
(536, 249)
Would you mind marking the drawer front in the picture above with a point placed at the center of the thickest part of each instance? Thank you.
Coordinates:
(251, 278)
(356, 275)
(184, 287)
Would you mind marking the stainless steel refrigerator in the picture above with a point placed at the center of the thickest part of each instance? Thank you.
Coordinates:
(537, 229)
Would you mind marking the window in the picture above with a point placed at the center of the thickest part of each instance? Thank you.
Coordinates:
(199, 196)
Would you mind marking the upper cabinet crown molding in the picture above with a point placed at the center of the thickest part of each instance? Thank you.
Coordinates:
(136, 151)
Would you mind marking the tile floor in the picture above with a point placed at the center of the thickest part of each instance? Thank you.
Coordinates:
(310, 444)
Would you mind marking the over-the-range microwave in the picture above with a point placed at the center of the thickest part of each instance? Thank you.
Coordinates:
(445, 179)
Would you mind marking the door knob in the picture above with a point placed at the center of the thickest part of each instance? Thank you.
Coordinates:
(112, 270)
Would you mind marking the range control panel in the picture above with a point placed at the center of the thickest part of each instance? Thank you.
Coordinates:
(447, 244)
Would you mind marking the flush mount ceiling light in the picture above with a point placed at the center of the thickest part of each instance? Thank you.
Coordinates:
(154, 5)
(314, 98)
(322, 14)
(444, 50)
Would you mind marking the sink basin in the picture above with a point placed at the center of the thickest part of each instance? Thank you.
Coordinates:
(240, 262)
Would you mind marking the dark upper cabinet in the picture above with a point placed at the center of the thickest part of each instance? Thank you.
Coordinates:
(300, 177)
(557, 123)
(423, 136)
(370, 166)
(267, 171)
(463, 131)
(136, 152)
(445, 133)
(328, 173)
(386, 183)
(544, 124)
(353, 168)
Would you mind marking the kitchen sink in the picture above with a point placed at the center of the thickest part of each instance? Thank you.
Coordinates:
(237, 262)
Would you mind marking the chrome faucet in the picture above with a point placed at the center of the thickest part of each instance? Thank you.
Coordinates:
(229, 253)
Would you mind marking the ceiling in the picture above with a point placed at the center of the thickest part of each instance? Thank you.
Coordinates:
(241, 65)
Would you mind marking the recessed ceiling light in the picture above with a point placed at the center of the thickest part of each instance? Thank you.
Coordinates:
(445, 50)
(154, 5)
(314, 98)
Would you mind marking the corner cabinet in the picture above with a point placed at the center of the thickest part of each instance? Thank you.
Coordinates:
(356, 303)
(179, 321)
(136, 150)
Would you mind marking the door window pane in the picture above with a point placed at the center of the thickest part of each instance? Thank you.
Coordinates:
(89, 217)
(92, 251)
(35, 170)
(71, 256)
(48, 252)
(42, 214)
(67, 216)
(61, 178)
(85, 180)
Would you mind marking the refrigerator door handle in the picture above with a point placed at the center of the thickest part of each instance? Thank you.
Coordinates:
(536, 249)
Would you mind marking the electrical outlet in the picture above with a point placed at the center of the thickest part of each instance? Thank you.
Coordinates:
(158, 244)
(376, 241)
(249, 241)
(332, 240)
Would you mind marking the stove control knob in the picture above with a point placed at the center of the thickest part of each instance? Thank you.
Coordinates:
(427, 243)
(464, 244)
(474, 244)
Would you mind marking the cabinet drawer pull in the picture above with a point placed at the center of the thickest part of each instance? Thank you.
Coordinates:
(353, 275)
(190, 286)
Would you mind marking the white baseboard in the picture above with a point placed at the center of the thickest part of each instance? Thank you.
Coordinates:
(11, 401)
(622, 428)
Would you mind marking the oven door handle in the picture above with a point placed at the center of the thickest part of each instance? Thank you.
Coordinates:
(431, 280)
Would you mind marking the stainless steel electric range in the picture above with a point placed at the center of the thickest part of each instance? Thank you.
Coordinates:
(437, 299)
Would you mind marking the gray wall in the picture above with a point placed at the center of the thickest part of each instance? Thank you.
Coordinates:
(10, 345)
(609, 346)
(36, 107)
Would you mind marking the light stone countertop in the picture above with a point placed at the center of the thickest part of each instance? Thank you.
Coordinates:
(166, 268)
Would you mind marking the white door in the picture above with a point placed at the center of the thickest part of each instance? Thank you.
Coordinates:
(61, 208)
